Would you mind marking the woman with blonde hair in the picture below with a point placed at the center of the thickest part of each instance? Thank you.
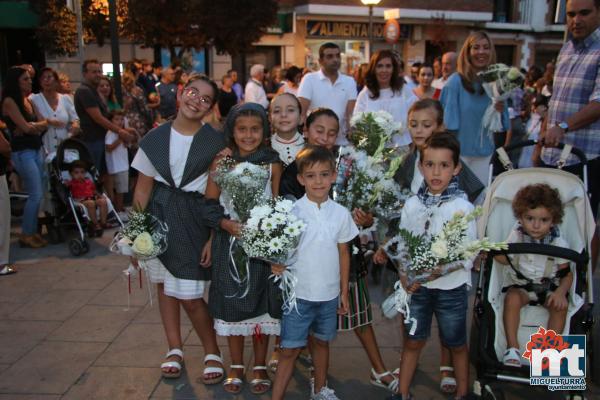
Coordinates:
(465, 101)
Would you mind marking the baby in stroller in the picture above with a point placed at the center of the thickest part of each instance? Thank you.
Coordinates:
(84, 191)
(534, 278)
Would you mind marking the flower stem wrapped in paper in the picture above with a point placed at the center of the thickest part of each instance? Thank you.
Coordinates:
(421, 259)
(272, 234)
(144, 238)
(499, 81)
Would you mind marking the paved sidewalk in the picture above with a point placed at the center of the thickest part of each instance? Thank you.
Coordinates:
(68, 331)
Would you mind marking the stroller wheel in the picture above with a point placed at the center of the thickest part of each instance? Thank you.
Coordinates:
(76, 247)
(86, 247)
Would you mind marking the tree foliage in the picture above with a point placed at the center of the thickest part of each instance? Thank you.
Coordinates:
(57, 31)
(230, 25)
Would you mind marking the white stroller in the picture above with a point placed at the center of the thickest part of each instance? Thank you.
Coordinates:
(488, 341)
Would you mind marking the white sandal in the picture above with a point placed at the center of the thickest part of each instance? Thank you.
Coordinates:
(447, 381)
(213, 370)
(512, 357)
(237, 382)
(376, 380)
(172, 364)
(260, 382)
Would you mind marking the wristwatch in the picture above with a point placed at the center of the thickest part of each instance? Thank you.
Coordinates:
(564, 126)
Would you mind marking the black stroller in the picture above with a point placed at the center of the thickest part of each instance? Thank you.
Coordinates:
(68, 211)
(487, 339)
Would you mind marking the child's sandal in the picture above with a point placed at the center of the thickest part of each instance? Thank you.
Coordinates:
(256, 382)
(512, 357)
(213, 370)
(172, 364)
(235, 382)
(448, 383)
(376, 380)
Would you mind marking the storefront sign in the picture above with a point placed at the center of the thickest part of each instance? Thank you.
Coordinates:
(391, 31)
(355, 30)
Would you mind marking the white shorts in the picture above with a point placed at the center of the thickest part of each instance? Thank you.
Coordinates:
(121, 181)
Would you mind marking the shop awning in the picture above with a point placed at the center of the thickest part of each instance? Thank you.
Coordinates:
(17, 14)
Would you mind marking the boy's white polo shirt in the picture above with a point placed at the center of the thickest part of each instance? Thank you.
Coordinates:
(317, 88)
(318, 265)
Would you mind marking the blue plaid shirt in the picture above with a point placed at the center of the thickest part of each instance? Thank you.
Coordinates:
(576, 84)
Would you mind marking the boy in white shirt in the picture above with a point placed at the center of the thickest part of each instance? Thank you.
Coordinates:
(117, 162)
(438, 199)
(321, 270)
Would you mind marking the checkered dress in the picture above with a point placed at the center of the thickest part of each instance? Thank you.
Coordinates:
(228, 300)
(188, 214)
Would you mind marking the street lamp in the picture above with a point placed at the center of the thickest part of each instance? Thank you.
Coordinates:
(370, 4)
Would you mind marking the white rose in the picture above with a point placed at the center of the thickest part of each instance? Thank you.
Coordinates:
(143, 244)
(439, 249)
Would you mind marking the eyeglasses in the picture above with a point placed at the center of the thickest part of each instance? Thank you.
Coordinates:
(194, 94)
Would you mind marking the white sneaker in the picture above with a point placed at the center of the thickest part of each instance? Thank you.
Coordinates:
(325, 394)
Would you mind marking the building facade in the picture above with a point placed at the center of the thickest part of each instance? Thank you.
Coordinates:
(525, 32)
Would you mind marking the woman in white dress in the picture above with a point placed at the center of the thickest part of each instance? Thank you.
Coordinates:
(56, 108)
(386, 90)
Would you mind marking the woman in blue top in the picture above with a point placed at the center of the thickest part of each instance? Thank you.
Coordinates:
(465, 101)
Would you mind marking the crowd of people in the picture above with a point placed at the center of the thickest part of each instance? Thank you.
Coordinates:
(294, 122)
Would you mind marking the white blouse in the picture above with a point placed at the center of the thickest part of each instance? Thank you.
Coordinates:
(179, 148)
(65, 113)
(397, 104)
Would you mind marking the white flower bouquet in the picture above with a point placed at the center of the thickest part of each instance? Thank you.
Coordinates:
(421, 259)
(499, 81)
(371, 131)
(272, 234)
(242, 186)
(143, 237)
(366, 182)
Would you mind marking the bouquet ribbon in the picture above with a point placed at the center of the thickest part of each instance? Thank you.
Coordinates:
(234, 272)
(402, 298)
(287, 284)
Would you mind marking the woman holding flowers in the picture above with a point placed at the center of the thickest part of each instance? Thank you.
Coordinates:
(243, 301)
(173, 162)
(465, 102)
(386, 90)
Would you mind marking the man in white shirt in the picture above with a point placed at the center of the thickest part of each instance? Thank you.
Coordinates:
(448, 68)
(328, 88)
(255, 92)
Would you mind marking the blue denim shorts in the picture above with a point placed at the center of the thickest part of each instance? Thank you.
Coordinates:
(450, 309)
(318, 318)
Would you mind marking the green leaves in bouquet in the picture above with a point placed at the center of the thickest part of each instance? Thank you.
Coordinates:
(367, 135)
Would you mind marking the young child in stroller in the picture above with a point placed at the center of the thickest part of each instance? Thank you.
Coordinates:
(84, 191)
(535, 279)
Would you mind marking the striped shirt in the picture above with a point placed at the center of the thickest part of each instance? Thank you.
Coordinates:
(576, 84)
